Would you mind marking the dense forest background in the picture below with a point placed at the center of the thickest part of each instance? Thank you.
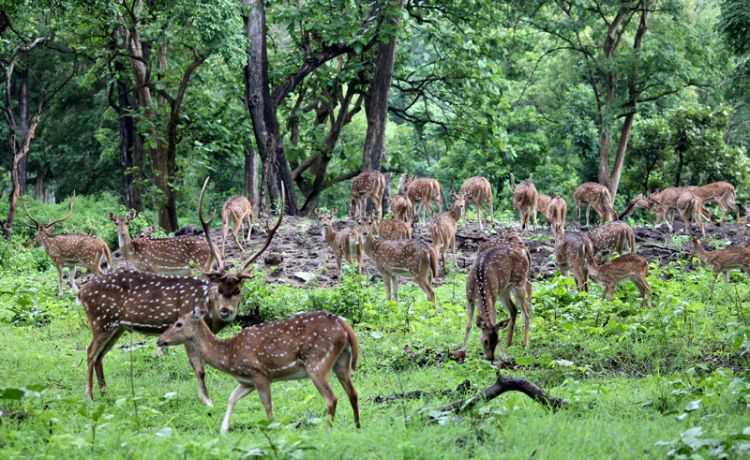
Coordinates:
(141, 99)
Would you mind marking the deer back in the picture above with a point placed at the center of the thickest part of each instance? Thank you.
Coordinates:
(401, 256)
(169, 254)
(150, 302)
(618, 269)
(394, 230)
(714, 191)
(572, 250)
(611, 237)
(423, 189)
(368, 182)
(477, 189)
(236, 207)
(525, 195)
(494, 271)
(71, 248)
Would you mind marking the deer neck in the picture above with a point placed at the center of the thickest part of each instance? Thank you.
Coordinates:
(701, 253)
(211, 349)
(126, 244)
(329, 233)
(455, 213)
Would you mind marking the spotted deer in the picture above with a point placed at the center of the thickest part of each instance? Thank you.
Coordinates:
(148, 303)
(346, 243)
(390, 229)
(147, 233)
(422, 192)
(613, 237)
(639, 201)
(478, 191)
(443, 227)
(306, 345)
(402, 208)
(402, 257)
(664, 203)
(525, 200)
(369, 184)
(690, 207)
(236, 210)
(69, 250)
(595, 196)
(629, 266)
(722, 193)
(571, 252)
(497, 272)
(161, 255)
(722, 260)
(556, 215)
(542, 205)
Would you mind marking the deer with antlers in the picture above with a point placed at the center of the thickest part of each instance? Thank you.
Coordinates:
(443, 227)
(346, 243)
(306, 345)
(722, 193)
(498, 271)
(162, 255)
(402, 208)
(236, 209)
(422, 192)
(148, 303)
(557, 211)
(69, 250)
(722, 260)
(478, 191)
(595, 196)
(629, 266)
(613, 237)
(525, 200)
(401, 257)
(369, 184)
(571, 252)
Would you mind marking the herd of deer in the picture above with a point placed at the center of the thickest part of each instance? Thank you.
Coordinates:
(156, 295)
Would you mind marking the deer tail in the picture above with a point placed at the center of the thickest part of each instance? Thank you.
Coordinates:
(351, 338)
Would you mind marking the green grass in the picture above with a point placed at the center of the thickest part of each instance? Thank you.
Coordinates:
(639, 382)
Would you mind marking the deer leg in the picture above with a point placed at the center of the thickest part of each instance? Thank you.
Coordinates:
(319, 377)
(59, 279)
(343, 372)
(238, 393)
(198, 367)
(642, 285)
(426, 285)
(98, 365)
(72, 278)
(588, 212)
(95, 355)
(236, 230)
(264, 392)
(394, 286)
(387, 283)
(513, 312)
(492, 212)
(469, 317)
(249, 219)
(523, 295)
(453, 246)
(224, 232)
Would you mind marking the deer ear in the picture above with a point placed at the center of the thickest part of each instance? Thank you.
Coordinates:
(132, 215)
(502, 324)
(333, 213)
(111, 216)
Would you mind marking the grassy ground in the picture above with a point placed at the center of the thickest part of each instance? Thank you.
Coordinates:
(671, 381)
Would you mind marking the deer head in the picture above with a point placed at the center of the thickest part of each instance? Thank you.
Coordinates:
(491, 337)
(42, 231)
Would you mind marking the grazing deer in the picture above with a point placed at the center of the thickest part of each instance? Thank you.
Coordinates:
(304, 345)
(390, 229)
(639, 201)
(443, 227)
(542, 205)
(496, 273)
(149, 303)
(723, 260)
(571, 252)
(68, 250)
(478, 191)
(162, 255)
(525, 200)
(556, 215)
(369, 184)
(629, 266)
(345, 243)
(402, 208)
(665, 203)
(421, 192)
(595, 196)
(236, 209)
(613, 237)
(402, 257)
(720, 192)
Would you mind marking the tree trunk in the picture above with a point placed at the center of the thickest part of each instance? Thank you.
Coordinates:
(251, 176)
(131, 147)
(262, 107)
(23, 126)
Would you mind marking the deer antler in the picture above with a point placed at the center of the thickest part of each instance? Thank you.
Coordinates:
(70, 211)
(28, 214)
(271, 232)
(206, 228)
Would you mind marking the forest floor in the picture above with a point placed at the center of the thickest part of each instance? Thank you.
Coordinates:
(307, 261)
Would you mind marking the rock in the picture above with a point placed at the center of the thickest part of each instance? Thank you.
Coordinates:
(277, 271)
(273, 258)
(304, 276)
